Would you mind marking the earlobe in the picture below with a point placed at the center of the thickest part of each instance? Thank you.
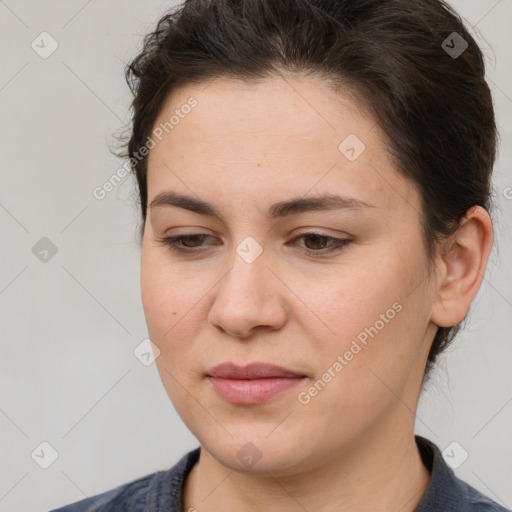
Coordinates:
(462, 261)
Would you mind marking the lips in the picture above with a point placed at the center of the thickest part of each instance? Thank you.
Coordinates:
(252, 384)
(251, 371)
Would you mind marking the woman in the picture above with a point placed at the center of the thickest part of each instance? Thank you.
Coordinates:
(314, 184)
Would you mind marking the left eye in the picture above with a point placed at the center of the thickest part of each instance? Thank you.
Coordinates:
(182, 243)
(318, 239)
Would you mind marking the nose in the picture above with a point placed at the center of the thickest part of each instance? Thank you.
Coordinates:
(248, 298)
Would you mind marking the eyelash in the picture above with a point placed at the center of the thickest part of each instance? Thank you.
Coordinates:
(338, 244)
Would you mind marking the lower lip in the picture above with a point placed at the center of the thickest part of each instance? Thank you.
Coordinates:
(252, 391)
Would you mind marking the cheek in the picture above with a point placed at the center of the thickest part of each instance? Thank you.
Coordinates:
(170, 301)
(374, 323)
(166, 297)
(156, 296)
(174, 299)
(172, 307)
(357, 301)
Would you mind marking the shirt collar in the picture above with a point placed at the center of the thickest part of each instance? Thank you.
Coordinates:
(445, 492)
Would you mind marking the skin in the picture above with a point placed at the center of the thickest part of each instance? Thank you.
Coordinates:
(244, 147)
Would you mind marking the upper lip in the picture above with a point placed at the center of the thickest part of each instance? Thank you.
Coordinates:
(251, 371)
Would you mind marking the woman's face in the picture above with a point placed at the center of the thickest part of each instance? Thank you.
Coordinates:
(259, 285)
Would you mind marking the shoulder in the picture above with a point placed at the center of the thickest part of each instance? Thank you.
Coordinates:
(478, 502)
(149, 493)
(446, 492)
(129, 496)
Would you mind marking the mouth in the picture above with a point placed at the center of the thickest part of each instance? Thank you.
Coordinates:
(255, 383)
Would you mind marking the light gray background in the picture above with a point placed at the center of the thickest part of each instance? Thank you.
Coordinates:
(69, 326)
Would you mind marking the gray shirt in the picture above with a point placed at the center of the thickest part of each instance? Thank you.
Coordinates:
(162, 491)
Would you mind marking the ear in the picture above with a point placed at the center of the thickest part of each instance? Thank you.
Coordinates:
(461, 263)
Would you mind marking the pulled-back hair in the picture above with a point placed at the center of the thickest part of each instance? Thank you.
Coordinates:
(399, 58)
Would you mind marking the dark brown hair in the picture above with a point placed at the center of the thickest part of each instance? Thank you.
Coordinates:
(423, 84)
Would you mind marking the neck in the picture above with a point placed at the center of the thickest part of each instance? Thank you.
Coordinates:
(379, 473)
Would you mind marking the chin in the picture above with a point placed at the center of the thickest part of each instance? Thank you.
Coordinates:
(257, 453)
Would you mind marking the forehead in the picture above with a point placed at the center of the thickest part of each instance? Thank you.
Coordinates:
(266, 138)
(228, 109)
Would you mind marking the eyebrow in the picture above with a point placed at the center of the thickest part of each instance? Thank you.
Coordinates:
(293, 206)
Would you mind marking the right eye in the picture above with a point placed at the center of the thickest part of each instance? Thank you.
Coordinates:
(175, 243)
